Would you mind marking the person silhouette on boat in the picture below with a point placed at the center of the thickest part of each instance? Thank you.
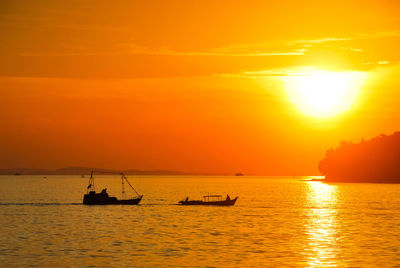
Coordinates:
(104, 191)
(227, 197)
(187, 199)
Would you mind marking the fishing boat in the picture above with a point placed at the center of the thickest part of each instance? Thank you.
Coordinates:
(102, 198)
(210, 200)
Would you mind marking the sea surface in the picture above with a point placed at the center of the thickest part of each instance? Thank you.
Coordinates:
(277, 221)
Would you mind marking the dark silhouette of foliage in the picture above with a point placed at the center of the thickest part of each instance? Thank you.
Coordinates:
(376, 160)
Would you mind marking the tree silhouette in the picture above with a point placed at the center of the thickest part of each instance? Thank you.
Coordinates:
(376, 160)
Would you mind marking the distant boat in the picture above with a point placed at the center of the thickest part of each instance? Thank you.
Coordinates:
(17, 174)
(210, 200)
(239, 174)
(102, 198)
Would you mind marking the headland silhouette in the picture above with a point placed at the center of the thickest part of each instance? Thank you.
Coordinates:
(376, 160)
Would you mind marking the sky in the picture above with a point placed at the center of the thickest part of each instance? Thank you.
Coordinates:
(194, 86)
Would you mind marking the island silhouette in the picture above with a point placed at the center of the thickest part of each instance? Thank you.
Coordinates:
(376, 160)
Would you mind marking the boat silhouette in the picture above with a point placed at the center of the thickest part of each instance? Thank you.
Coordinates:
(210, 200)
(102, 198)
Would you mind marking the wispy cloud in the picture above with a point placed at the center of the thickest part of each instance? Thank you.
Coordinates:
(138, 50)
(373, 35)
(320, 40)
(276, 58)
(291, 48)
(232, 51)
(281, 72)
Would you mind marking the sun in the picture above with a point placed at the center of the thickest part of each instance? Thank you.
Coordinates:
(323, 94)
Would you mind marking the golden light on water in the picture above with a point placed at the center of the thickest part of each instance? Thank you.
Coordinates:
(322, 94)
(321, 225)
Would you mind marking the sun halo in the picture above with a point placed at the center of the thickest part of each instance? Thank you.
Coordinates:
(323, 94)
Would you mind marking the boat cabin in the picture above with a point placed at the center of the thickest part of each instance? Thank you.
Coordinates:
(212, 198)
(215, 200)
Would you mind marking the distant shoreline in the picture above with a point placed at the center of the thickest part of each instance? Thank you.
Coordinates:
(87, 170)
(79, 171)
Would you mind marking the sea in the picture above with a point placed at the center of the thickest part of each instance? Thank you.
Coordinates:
(276, 222)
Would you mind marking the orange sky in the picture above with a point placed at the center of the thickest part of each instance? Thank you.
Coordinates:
(193, 86)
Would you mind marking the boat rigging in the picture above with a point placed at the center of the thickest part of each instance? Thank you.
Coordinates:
(102, 198)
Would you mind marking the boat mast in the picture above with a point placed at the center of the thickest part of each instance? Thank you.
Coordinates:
(123, 179)
(91, 183)
(123, 187)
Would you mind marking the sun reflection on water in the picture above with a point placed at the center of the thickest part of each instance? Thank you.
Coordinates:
(321, 226)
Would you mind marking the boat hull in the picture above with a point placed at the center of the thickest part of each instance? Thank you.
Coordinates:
(101, 199)
(223, 203)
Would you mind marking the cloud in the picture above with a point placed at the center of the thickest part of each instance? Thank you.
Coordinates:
(280, 72)
(133, 49)
(373, 35)
(282, 48)
(261, 73)
(321, 40)
(131, 60)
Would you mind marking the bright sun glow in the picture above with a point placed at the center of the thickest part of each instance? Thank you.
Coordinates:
(324, 93)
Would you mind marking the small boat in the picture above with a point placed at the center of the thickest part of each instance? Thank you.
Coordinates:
(102, 198)
(239, 174)
(210, 200)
